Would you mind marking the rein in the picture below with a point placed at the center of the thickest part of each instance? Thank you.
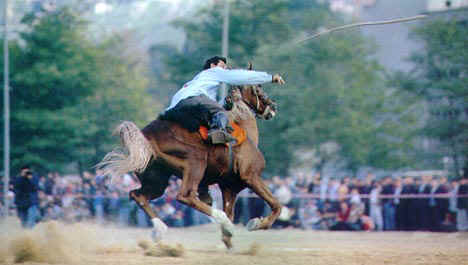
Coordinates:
(267, 108)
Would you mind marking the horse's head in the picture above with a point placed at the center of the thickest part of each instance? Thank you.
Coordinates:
(255, 98)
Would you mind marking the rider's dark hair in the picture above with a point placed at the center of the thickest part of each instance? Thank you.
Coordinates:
(213, 60)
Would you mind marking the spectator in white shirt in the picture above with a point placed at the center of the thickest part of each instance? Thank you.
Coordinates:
(376, 207)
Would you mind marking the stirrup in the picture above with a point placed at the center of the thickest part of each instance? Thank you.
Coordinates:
(220, 137)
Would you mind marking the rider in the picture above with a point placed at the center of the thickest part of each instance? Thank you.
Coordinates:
(196, 100)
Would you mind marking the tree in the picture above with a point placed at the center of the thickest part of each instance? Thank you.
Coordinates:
(67, 92)
(439, 78)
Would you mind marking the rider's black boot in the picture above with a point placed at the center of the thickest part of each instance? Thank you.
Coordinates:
(219, 132)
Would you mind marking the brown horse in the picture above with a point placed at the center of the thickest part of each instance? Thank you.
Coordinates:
(164, 148)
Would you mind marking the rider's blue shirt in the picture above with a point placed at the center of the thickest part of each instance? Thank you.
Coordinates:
(208, 81)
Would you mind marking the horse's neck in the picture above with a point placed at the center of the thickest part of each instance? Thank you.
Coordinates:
(250, 126)
(244, 117)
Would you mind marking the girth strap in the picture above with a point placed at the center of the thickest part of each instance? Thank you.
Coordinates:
(230, 158)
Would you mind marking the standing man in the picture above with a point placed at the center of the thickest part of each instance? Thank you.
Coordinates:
(424, 211)
(442, 204)
(405, 211)
(462, 204)
(376, 206)
(26, 187)
(365, 190)
(388, 189)
(414, 213)
(195, 103)
(399, 205)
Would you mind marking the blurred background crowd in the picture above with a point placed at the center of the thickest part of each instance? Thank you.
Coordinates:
(424, 203)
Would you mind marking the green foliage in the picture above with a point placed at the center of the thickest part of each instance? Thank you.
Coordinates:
(67, 93)
(57, 66)
(121, 94)
(440, 80)
(335, 104)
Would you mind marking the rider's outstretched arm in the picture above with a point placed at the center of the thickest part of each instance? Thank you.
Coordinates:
(240, 76)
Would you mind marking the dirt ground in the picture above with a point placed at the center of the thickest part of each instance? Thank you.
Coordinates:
(54, 243)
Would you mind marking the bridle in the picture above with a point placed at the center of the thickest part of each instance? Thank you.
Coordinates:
(267, 109)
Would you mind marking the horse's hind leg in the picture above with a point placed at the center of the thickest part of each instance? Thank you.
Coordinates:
(142, 199)
(154, 181)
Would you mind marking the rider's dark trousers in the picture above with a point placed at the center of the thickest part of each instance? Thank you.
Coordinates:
(193, 112)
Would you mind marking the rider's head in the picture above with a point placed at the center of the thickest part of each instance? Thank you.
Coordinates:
(215, 61)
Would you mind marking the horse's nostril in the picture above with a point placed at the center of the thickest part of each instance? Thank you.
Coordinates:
(270, 115)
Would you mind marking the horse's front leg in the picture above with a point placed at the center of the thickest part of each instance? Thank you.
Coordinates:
(229, 200)
(193, 173)
(256, 184)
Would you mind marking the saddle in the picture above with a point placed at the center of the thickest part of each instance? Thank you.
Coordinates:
(190, 119)
(239, 133)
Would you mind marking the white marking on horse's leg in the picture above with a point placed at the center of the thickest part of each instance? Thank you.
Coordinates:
(159, 229)
(221, 218)
(253, 224)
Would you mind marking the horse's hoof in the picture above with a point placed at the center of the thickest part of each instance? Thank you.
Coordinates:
(227, 230)
(253, 224)
(227, 242)
(159, 229)
(220, 217)
(156, 235)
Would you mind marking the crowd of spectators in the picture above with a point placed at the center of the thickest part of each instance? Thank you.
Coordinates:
(91, 197)
(310, 202)
(407, 204)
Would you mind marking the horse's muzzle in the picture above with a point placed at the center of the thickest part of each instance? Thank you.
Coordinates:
(270, 115)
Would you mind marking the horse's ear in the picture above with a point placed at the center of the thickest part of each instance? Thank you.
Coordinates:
(250, 67)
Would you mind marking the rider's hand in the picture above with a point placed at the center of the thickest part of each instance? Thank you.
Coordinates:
(277, 79)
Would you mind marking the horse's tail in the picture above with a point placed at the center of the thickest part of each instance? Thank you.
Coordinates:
(134, 156)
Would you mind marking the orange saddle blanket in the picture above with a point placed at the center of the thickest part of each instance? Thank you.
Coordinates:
(239, 133)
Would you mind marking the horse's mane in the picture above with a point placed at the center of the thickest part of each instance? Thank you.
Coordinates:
(240, 111)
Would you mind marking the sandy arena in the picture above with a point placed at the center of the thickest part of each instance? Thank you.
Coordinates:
(55, 243)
